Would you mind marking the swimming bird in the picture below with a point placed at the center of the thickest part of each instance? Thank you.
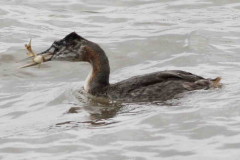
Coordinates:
(152, 87)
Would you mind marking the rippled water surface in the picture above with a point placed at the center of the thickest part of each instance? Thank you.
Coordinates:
(139, 36)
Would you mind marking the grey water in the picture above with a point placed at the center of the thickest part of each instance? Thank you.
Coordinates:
(139, 36)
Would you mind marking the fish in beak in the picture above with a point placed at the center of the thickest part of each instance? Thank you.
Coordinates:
(37, 59)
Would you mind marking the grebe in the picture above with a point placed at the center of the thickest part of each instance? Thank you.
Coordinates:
(157, 86)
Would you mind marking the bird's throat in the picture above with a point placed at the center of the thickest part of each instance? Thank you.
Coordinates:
(98, 78)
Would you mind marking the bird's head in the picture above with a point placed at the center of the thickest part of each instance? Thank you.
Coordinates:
(72, 48)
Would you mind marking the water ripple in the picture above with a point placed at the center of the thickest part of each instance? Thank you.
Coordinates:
(44, 114)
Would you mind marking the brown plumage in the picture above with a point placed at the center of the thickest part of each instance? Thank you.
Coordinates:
(157, 86)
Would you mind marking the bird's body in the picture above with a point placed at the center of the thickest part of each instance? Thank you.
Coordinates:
(157, 86)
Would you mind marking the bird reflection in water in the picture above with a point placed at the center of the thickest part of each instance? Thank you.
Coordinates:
(100, 113)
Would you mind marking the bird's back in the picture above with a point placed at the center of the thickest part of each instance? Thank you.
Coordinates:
(157, 86)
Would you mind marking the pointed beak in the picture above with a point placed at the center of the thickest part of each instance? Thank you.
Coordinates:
(37, 60)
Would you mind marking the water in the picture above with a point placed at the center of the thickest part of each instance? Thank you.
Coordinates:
(200, 36)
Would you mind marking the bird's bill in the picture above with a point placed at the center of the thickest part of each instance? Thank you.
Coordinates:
(46, 57)
(29, 65)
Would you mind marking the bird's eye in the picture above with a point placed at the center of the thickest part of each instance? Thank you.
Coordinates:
(56, 49)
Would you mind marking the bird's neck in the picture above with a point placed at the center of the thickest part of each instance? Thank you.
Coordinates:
(98, 78)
